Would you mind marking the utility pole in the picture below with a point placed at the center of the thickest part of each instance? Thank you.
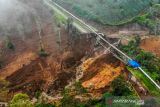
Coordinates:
(69, 24)
(42, 51)
(130, 61)
(59, 38)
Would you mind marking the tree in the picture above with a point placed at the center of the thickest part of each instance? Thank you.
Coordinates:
(147, 60)
(138, 40)
(68, 99)
(38, 94)
(42, 53)
(120, 87)
(79, 88)
(9, 44)
(69, 24)
(131, 49)
(20, 100)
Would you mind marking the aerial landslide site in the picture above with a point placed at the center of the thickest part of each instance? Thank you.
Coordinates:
(49, 59)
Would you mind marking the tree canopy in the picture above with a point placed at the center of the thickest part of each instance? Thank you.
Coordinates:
(21, 100)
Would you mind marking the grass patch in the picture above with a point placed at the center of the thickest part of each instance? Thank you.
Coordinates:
(59, 19)
(149, 62)
(58, 16)
(145, 81)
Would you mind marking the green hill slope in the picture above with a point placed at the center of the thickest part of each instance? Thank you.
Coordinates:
(111, 12)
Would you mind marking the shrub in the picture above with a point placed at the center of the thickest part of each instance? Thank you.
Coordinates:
(155, 10)
(43, 53)
(59, 19)
(3, 90)
(79, 88)
(9, 44)
(148, 61)
(68, 99)
(20, 100)
(120, 87)
(37, 94)
(131, 49)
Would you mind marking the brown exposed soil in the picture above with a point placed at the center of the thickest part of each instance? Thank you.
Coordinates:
(152, 45)
(21, 61)
(28, 72)
(23, 68)
(99, 72)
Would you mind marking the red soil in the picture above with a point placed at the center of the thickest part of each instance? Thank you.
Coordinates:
(152, 45)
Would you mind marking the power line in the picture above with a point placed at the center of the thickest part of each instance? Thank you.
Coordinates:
(114, 47)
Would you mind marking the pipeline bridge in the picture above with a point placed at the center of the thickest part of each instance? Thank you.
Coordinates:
(112, 48)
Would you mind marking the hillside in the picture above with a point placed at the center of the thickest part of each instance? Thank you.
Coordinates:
(111, 12)
(79, 53)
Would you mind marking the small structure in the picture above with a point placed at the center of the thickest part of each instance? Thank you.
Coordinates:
(134, 63)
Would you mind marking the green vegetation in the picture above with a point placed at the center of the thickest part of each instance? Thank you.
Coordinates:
(69, 96)
(20, 100)
(150, 19)
(9, 44)
(42, 53)
(147, 21)
(59, 19)
(121, 87)
(84, 13)
(23, 100)
(111, 12)
(3, 90)
(145, 81)
(155, 10)
(37, 94)
(70, 101)
(131, 49)
(149, 62)
(79, 88)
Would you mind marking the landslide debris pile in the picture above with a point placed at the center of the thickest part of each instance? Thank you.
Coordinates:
(151, 45)
(22, 67)
(112, 12)
(29, 73)
(99, 72)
